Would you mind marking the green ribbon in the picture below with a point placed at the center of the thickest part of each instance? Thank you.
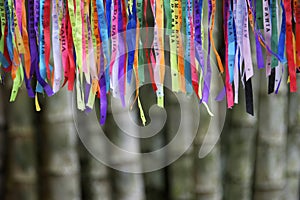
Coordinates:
(141, 71)
(168, 15)
(259, 14)
(274, 38)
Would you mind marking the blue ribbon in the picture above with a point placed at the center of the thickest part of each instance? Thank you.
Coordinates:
(281, 42)
(187, 64)
(104, 37)
(231, 45)
(39, 88)
(108, 13)
(131, 37)
(9, 43)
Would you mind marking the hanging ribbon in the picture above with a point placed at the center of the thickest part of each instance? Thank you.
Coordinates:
(56, 48)
(131, 36)
(297, 29)
(3, 60)
(289, 46)
(96, 45)
(173, 45)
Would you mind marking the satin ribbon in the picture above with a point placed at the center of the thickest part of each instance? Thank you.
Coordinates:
(228, 85)
(102, 84)
(249, 97)
(46, 29)
(185, 81)
(274, 44)
(267, 34)
(76, 25)
(259, 54)
(194, 70)
(297, 30)
(247, 49)
(199, 44)
(161, 60)
(168, 13)
(67, 49)
(34, 53)
(98, 70)
(15, 48)
(207, 77)
(57, 57)
(63, 42)
(26, 56)
(158, 46)
(122, 53)
(173, 45)
(78, 32)
(92, 60)
(231, 46)
(108, 15)
(259, 13)
(146, 50)
(289, 46)
(115, 52)
(258, 34)
(104, 27)
(41, 46)
(213, 11)
(71, 57)
(281, 42)
(274, 35)
(187, 41)
(84, 16)
(180, 48)
(139, 56)
(130, 39)
(3, 60)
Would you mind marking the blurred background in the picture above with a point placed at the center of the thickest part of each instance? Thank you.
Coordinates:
(41, 156)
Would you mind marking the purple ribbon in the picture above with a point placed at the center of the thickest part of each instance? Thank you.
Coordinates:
(34, 65)
(121, 47)
(259, 54)
(259, 34)
(198, 39)
(207, 79)
(86, 97)
(102, 85)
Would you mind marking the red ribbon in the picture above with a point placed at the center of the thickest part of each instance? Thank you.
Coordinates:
(228, 86)
(47, 17)
(289, 46)
(71, 72)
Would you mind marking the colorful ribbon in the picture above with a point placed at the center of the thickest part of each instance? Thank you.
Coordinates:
(97, 46)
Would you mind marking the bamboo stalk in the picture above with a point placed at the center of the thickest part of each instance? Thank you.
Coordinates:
(94, 175)
(21, 163)
(239, 146)
(292, 190)
(208, 169)
(239, 143)
(125, 186)
(271, 145)
(270, 168)
(181, 177)
(155, 182)
(2, 145)
(59, 158)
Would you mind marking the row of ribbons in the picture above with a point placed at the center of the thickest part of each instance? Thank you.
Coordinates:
(95, 47)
